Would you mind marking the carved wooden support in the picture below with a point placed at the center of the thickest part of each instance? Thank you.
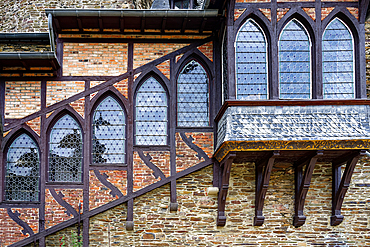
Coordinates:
(225, 167)
(302, 184)
(130, 215)
(262, 183)
(340, 185)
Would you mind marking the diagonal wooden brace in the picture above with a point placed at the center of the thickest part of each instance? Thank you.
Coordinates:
(225, 167)
(302, 185)
(340, 185)
(262, 183)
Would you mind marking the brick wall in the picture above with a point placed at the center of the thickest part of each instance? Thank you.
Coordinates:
(99, 59)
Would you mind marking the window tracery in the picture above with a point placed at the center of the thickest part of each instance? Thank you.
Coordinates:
(65, 151)
(192, 96)
(151, 114)
(22, 175)
(109, 130)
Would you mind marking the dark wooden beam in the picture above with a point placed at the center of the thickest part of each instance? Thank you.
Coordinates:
(142, 24)
(25, 65)
(225, 167)
(164, 22)
(122, 24)
(302, 184)
(340, 187)
(204, 21)
(362, 8)
(262, 183)
(183, 26)
(101, 27)
(79, 23)
(57, 25)
(130, 215)
(344, 158)
(2, 120)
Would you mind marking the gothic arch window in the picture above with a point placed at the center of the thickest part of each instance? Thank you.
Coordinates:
(22, 171)
(65, 151)
(151, 114)
(338, 61)
(251, 62)
(294, 62)
(109, 133)
(193, 96)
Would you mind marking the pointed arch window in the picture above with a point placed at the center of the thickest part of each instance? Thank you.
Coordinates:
(251, 62)
(109, 130)
(65, 151)
(294, 62)
(193, 96)
(22, 175)
(338, 62)
(151, 114)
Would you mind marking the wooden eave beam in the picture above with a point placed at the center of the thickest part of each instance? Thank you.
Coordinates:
(262, 183)
(25, 65)
(79, 23)
(142, 24)
(101, 27)
(302, 185)
(57, 25)
(204, 21)
(340, 187)
(164, 22)
(225, 167)
(183, 26)
(344, 158)
(122, 24)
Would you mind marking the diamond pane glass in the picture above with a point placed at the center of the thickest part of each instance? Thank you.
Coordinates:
(251, 62)
(294, 62)
(22, 173)
(65, 151)
(337, 61)
(151, 114)
(109, 133)
(192, 96)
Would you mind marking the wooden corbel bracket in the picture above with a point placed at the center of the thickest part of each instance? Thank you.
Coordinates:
(340, 185)
(262, 183)
(225, 168)
(302, 184)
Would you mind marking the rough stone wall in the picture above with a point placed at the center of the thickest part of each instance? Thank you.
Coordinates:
(194, 224)
(27, 47)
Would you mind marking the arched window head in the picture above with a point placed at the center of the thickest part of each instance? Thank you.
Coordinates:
(337, 61)
(109, 133)
(294, 62)
(192, 96)
(251, 62)
(65, 151)
(151, 114)
(22, 171)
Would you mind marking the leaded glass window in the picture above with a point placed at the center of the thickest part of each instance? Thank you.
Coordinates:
(192, 96)
(22, 173)
(109, 133)
(151, 114)
(337, 60)
(65, 151)
(294, 62)
(251, 62)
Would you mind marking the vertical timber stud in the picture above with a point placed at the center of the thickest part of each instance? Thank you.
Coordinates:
(226, 167)
(262, 183)
(302, 184)
(130, 138)
(86, 170)
(340, 185)
(317, 90)
(43, 162)
(273, 79)
(173, 107)
(230, 50)
(2, 118)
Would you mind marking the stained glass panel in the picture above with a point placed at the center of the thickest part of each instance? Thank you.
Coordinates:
(251, 62)
(192, 96)
(337, 60)
(109, 133)
(65, 151)
(294, 62)
(151, 114)
(22, 170)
